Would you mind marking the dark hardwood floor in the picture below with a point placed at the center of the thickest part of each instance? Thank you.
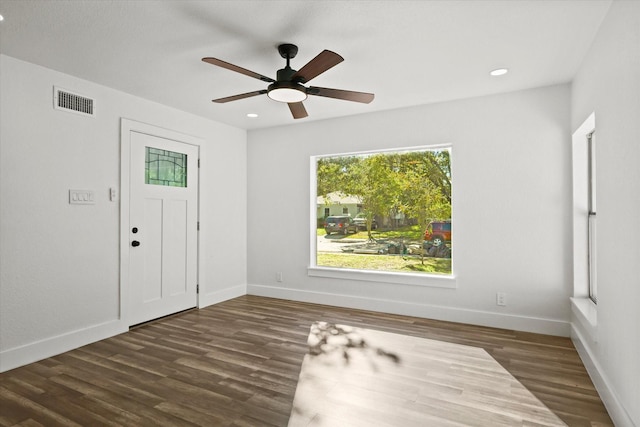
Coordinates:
(237, 364)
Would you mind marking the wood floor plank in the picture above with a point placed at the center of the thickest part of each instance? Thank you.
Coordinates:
(29, 423)
(237, 363)
(38, 411)
(190, 414)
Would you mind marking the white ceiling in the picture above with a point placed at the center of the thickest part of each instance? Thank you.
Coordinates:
(406, 52)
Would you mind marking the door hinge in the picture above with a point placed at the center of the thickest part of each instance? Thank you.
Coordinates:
(197, 289)
(198, 225)
(198, 162)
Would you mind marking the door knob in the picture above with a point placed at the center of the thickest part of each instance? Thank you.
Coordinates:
(135, 243)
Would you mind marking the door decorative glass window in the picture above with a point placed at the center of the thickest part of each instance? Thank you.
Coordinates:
(164, 167)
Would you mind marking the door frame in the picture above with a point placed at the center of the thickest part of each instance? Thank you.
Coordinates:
(126, 127)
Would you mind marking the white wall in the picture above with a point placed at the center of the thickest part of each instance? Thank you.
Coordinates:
(511, 208)
(59, 263)
(608, 84)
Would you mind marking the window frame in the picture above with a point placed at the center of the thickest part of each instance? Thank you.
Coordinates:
(583, 307)
(389, 277)
(591, 217)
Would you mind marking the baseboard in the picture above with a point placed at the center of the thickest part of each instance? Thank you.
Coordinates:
(29, 353)
(451, 314)
(220, 296)
(618, 414)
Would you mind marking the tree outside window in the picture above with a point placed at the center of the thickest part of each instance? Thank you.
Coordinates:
(400, 194)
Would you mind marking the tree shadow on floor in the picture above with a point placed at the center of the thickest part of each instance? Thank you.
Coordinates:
(329, 339)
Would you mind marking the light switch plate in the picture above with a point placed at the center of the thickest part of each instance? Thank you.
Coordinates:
(82, 197)
(501, 299)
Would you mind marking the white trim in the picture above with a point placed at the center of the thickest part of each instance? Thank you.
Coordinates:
(386, 150)
(313, 210)
(450, 314)
(580, 177)
(417, 279)
(315, 270)
(618, 414)
(585, 312)
(125, 148)
(49, 347)
(126, 127)
(222, 295)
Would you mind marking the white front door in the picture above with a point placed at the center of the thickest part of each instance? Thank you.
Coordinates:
(163, 219)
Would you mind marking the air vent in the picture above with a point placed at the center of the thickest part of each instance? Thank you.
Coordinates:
(72, 102)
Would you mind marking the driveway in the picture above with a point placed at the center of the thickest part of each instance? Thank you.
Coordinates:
(334, 243)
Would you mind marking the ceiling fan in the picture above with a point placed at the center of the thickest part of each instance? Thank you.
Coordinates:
(289, 84)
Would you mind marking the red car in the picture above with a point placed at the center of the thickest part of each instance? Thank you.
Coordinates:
(438, 232)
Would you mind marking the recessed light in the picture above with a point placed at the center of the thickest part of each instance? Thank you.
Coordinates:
(499, 72)
(1, 18)
(252, 115)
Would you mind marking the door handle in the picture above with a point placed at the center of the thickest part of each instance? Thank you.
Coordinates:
(135, 243)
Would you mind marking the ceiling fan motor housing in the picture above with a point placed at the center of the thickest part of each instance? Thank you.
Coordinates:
(285, 89)
(285, 74)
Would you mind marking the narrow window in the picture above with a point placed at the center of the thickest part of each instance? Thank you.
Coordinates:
(593, 283)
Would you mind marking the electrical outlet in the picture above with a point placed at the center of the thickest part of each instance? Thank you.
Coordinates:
(501, 298)
(279, 276)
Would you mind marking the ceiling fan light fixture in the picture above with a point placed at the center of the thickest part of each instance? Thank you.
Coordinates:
(288, 92)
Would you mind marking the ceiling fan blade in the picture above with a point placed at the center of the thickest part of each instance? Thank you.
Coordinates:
(241, 96)
(318, 65)
(228, 66)
(298, 110)
(347, 95)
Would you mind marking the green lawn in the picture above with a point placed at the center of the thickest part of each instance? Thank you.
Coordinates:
(385, 262)
(413, 233)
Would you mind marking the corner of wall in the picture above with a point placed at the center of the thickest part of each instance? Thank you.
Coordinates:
(430, 311)
(584, 346)
(217, 297)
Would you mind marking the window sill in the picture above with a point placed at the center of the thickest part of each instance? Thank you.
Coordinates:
(428, 280)
(585, 311)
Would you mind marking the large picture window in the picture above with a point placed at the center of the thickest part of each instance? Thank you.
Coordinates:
(385, 211)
